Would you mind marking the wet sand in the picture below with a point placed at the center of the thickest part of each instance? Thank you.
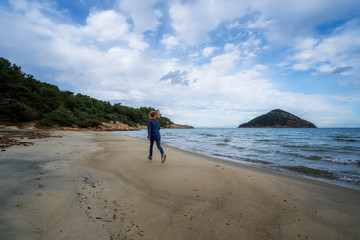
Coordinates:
(91, 185)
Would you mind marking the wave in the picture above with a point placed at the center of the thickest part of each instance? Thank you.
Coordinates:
(221, 144)
(341, 161)
(307, 157)
(350, 148)
(295, 146)
(311, 171)
(345, 140)
(242, 159)
(207, 135)
(340, 136)
(238, 147)
(317, 150)
(317, 158)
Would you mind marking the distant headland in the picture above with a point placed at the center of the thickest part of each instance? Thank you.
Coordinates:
(278, 118)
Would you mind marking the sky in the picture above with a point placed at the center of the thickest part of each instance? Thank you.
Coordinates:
(206, 63)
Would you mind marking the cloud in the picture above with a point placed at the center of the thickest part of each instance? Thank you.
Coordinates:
(169, 41)
(176, 77)
(232, 98)
(342, 70)
(194, 59)
(290, 20)
(102, 47)
(110, 26)
(330, 54)
(194, 20)
(279, 21)
(208, 51)
(143, 14)
(106, 26)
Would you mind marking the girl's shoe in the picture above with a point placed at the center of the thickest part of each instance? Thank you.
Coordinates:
(163, 158)
(150, 158)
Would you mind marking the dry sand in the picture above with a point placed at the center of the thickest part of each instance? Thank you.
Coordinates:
(91, 185)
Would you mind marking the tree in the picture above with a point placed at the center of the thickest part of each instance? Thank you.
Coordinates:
(23, 98)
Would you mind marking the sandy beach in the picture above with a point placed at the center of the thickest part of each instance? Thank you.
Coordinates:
(93, 185)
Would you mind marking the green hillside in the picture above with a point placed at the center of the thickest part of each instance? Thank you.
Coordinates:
(25, 99)
(277, 118)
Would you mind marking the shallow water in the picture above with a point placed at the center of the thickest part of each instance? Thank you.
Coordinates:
(332, 150)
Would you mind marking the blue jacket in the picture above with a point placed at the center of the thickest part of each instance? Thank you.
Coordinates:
(153, 128)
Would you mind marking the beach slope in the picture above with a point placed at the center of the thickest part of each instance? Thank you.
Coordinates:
(89, 185)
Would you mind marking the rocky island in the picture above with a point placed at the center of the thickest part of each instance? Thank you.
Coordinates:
(278, 119)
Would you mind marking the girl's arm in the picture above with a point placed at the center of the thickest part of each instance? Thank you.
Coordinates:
(149, 129)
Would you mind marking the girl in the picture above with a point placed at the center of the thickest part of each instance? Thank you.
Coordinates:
(153, 128)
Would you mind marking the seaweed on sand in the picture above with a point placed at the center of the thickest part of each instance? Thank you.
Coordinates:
(311, 171)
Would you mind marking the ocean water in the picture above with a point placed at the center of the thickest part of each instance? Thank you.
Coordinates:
(329, 154)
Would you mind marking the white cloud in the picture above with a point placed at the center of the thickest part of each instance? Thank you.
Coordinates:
(231, 98)
(169, 41)
(258, 23)
(340, 48)
(19, 5)
(292, 19)
(136, 42)
(143, 14)
(300, 67)
(304, 44)
(226, 61)
(208, 51)
(281, 21)
(193, 20)
(106, 26)
(234, 55)
(109, 57)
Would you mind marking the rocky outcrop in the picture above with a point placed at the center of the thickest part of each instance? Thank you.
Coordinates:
(104, 126)
(179, 126)
(278, 119)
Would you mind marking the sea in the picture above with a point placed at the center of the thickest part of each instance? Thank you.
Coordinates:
(326, 154)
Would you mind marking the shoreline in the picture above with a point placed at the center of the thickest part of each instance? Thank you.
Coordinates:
(93, 185)
(36, 134)
(267, 170)
(256, 168)
(276, 169)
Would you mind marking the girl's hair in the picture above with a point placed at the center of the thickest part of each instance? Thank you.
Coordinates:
(153, 113)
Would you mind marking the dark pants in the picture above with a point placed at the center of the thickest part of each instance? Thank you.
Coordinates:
(158, 146)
